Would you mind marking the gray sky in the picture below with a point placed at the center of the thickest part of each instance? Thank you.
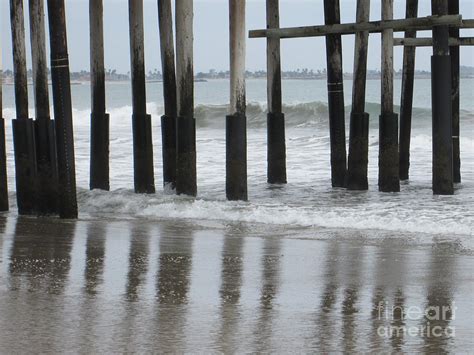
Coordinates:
(211, 34)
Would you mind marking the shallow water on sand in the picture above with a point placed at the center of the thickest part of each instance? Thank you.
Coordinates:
(176, 286)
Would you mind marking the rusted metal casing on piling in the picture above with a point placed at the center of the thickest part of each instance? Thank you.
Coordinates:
(4, 204)
(23, 127)
(144, 179)
(47, 172)
(186, 179)
(99, 153)
(276, 144)
(168, 120)
(406, 105)
(441, 80)
(337, 127)
(62, 109)
(359, 120)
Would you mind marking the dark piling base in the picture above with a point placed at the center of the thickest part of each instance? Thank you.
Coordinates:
(47, 168)
(186, 183)
(276, 149)
(144, 178)
(358, 152)
(25, 165)
(337, 130)
(236, 157)
(168, 138)
(389, 180)
(442, 125)
(4, 205)
(456, 160)
(99, 165)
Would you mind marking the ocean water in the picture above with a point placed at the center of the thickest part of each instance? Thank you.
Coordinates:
(308, 200)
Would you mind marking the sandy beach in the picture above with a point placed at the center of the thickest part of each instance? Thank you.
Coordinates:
(95, 286)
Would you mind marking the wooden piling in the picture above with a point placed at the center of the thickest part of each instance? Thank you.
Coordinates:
(359, 124)
(406, 105)
(441, 105)
(335, 78)
(99, 150)
(4, 204)
(236, 121)
(141, 121)
(389, 180)
(276, 145)
(168, 120)
(62, 109)
(23, 127)
(186, 124)
(47, 172)
(453, 9)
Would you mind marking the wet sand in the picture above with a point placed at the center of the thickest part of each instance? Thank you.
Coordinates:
(96, 286)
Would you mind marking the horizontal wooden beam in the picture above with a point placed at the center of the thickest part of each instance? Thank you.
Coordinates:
(428, 42)
(418, 24)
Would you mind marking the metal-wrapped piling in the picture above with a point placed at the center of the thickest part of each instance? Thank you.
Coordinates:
(186, 125)
(62, 109)
(4, 205)
(99, 151)
(23, 127)
(359, 125)
(276, 145)
(337, 126)
(236, 121)
(168, 120)
(144, 179)
(47, 171)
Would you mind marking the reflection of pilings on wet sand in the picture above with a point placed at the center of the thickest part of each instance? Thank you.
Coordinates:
(41, 253)
(173, 281)
(95, 256)
(270, 265)
(439, 309)
(230, 291)
(138, 259)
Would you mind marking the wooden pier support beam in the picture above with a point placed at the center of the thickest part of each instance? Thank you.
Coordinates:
(389, 180)
(23, 127)
(337, 126)
(99, 153)
(406, 105)
(144, 179)
(4, 205)
(359, 125)
(441, 105)
(236, 121)
(186, 125)
(47, 192)
(168, 120)
(62, 109)
(276, 145)
(453, 9)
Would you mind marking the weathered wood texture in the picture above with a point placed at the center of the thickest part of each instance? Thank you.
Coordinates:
(276, 145)
(335, 96)
(359, 124)
(419, 24)
(406, 105)
(453, 9)
(168, 121)
(428, 42)
(144, 180)
(442, 105)
(19, 58)
(62, 109)
(4, 204)
(99, 152)
(186, 128)
(389, 180)
(236, 134)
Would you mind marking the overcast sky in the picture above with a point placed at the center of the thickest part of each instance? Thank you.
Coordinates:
(211, 35)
